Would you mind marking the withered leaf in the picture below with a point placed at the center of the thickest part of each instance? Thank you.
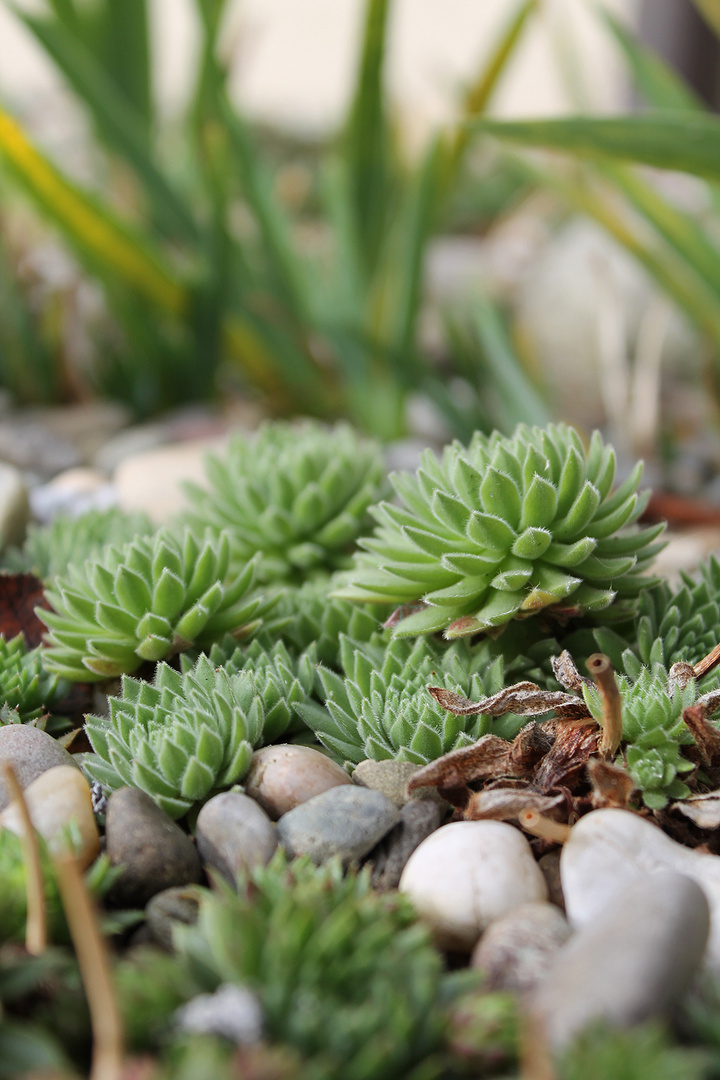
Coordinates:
(566, 761)
(705, 734)
(20, 596)
(567, 674)
(486, 759)
(611, 785)
(523, 698)
(702, 810)
(530, 744)
(680, 675)
(503, 804)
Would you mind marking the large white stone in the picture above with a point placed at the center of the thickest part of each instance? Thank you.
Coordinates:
(467, 874)
(610, 849)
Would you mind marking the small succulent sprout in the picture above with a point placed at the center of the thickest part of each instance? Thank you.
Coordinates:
(382, 708)
(187, 735)
(50, 549)
(27, 690)
(653, 731)
(145, 600)
(503, 529)
(297, 493)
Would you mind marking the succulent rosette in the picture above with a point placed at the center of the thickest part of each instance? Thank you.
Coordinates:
(503, 529)
(297, 493)
(27, 690)
(144, 601)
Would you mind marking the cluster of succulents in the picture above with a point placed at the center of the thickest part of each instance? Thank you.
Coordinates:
(185, 736)
(49, 550)
(146, 600)
(503, 529)
(296, 493)
(26, 687)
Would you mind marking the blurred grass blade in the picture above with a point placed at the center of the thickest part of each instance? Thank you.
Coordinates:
(26, 363)
(126, 54)
(366, 144)
(656, 81)
(684, 141)
(479, 93)
(95, 231)
(117, 122)
(710, 11)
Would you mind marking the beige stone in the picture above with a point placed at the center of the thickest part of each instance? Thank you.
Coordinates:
(282, 777)
(151, 481)
(58, 799)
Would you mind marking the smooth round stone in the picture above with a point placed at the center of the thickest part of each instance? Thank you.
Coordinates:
(57, 799)
(233, 1012)
(608, 850)
(152, 850)
(391, 778)
(630, 964)
(418, 819)
(282, 777)
(234, 834)
(516, 951)
(345, 821)
(14, 506)
(468, 874)
(30, 752)
(168, 908)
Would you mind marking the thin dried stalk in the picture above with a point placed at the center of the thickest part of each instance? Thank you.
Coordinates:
(538, 825)
(602, 672)
(536, 1062)
(707, 663)
(36, 931)
(94, 963)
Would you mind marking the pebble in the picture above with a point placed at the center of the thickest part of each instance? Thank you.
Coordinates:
(284, 776)
(166, 909)
(151, 481)
(152, 850)
(468, 874)
(516, 951)
(391, 778)
(14, 506)
(609, 849)
(72, 493)
(630, 964)
(233, 1012)
(233, 834)
(418, 819)
(31, 752)
(347, 821)
(57, 799)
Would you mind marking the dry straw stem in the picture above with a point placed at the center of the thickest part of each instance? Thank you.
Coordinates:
(536, 1061)
(704, 666)
(537, 824)
(36, 934)
(602, 672)
(93, 960)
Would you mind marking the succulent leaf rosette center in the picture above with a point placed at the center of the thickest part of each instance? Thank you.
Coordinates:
(502, 529)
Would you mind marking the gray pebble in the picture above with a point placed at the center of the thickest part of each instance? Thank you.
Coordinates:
(166, 909)
(417, 820)
(232, 1012)
(233, 833)
(30, 752)
(344, 821)
(152, 850)
(391, 778)
(631, 964)
(516, 951)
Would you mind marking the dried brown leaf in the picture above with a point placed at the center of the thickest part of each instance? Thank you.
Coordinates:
(530, 744)
(503, 804)
(705, 734)
(611, 785)
(523, 698)
(565, 763)
(486, 759)
(702, 810)
(567, 674)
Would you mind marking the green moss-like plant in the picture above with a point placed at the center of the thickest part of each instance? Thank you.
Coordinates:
(297, 493)
(653, 729)
(382, 709)
(503, 529)
(185, 736)
(144, 601)
(50, 549)
(344, 975)
(25, 685)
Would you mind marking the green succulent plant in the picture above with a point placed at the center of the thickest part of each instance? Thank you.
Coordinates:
(144, 601)
(344, 975)
(671, 625)
(653, 729)
(185, 736)
(25, 686)
(50, 549)
(382, 709)
(297, 493)
(503, 529)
